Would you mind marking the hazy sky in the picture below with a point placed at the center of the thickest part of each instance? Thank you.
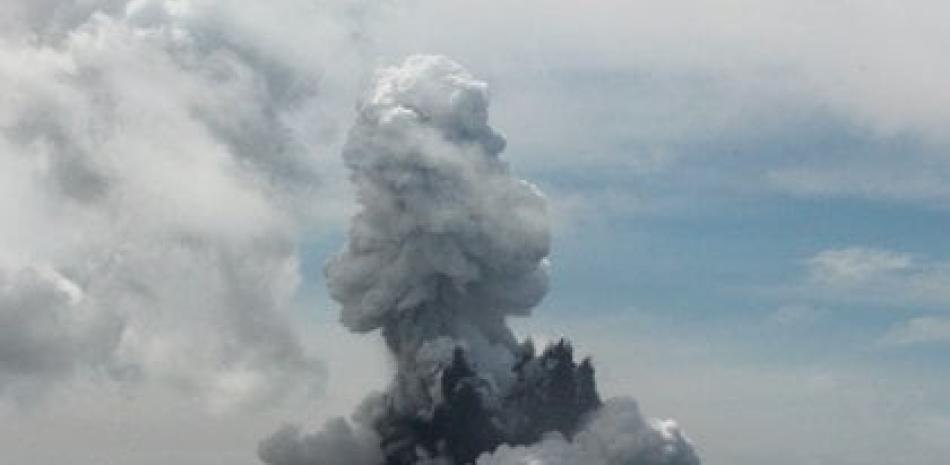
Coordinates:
(751, 204)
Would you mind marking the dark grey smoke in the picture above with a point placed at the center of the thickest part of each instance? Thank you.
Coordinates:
(447, 245)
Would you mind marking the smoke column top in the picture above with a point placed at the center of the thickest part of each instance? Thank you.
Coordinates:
(442, 221)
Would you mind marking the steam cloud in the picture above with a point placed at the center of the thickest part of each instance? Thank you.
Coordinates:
(448, 245)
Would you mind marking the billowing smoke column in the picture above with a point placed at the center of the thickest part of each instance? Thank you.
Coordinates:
(447, 245)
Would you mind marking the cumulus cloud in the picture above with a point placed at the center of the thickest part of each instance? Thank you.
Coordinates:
(157, 162)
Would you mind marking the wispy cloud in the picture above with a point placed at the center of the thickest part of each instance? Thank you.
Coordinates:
(896, 280)
(864, 273)
(856, 266)
(870, 169)
(794, 315)
(923, 330)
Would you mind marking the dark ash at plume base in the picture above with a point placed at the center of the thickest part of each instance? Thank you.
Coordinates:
(551, 394)
(447, 245)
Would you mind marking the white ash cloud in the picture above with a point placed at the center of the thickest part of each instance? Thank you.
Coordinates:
(444, 226)
(617, 435)
(447, 245)
(439, 207)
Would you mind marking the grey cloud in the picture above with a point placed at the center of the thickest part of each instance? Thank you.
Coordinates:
(338, 443)
(438, 202)
(46, 332)
(50, 21)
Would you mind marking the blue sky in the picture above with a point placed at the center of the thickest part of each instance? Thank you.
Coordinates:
(750, 206)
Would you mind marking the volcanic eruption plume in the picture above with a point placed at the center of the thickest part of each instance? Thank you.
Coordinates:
(447, 245)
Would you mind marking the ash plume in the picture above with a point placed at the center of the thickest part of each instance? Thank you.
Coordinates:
(447, 245)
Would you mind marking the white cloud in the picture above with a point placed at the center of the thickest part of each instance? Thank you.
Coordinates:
(918, 331)
(160, 159)
(908, 175)
(856, 265)
(878, 275)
